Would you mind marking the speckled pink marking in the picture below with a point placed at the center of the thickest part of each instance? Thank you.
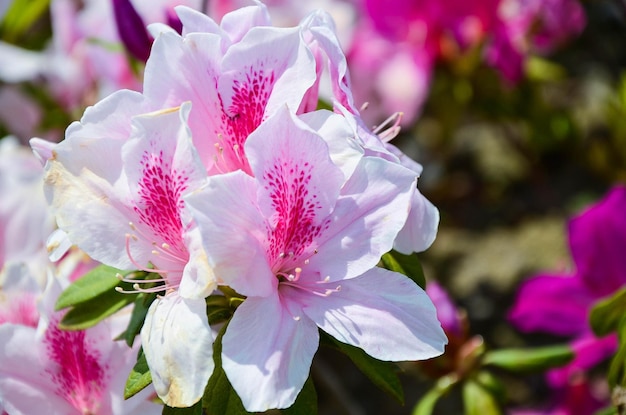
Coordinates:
(296, 206)
(245, 114)
(20, 309)
(78, 374)
(160, 190)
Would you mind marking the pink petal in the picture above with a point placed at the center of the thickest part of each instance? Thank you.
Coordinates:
(382, 312)
(420, 229)
(589, 351)
(371, 210)
(300, 184)
(267, 352)
(597, 237)
(233, 231)
(552, 304)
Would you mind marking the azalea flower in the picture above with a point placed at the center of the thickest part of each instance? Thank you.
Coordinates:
(560, 303)
(301, 239)
(48, 370)
(235, 75)
(115, 186)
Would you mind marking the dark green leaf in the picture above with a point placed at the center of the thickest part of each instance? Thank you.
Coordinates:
(91, 312)
(138, 378)
(426, 405)
(408, 265)
(100, 280)
(194, 410)
(479, 401)
(140, 310)
(607, 411)
(607, 314)
(382, 374)
(218, 309)
(306, 403)
(529, 360)
(219, 396)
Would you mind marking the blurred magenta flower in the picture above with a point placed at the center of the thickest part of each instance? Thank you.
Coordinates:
(560, 304)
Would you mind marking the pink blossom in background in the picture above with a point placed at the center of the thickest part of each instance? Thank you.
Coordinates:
(51, 371)
(560, 303)
(25, 220)
(301, 239)
(532, 27)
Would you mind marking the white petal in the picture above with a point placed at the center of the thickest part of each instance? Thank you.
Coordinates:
(382, 312)
(178, 344)
(420, 229)
(267, 353)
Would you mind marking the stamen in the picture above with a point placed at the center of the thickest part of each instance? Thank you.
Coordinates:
(391, 132)
(364, 106)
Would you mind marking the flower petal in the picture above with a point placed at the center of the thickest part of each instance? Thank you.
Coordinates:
(597, 237)
(589, 351)
(178, 344)
(553, 304)
(420, 229)
(267, 353)
(382, 312)
(232, 229)
(369, 213)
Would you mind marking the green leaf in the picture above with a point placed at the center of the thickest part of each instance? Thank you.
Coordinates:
(98, 281)
(607, 314)
(306, 402)
(426, 405)
(382, 374)
(529, 360)
(479, 401)
(617, 368)
(89, 313)
(218, 309)
(408, 265)
(219, 396)
(140, 310)
(194, 410)
(138, 378)
(21, 16)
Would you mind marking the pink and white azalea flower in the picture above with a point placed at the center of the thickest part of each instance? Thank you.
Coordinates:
(301, 240)
(115, 186)
(48, 370)
(235, 76)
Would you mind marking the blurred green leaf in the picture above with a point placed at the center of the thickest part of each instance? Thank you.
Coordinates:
(194, 410)
(529, 359)
(606, 411)
(96, 282)
(479, 401)
(617, 368)
(138, 378)
(492, 384)
(382, 374)
(540, 69)
(426, 405)
(89, 313)
(607, 314)
(408, 265)
(21, 16)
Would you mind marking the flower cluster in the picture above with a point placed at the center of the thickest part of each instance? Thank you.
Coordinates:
(222, 177)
